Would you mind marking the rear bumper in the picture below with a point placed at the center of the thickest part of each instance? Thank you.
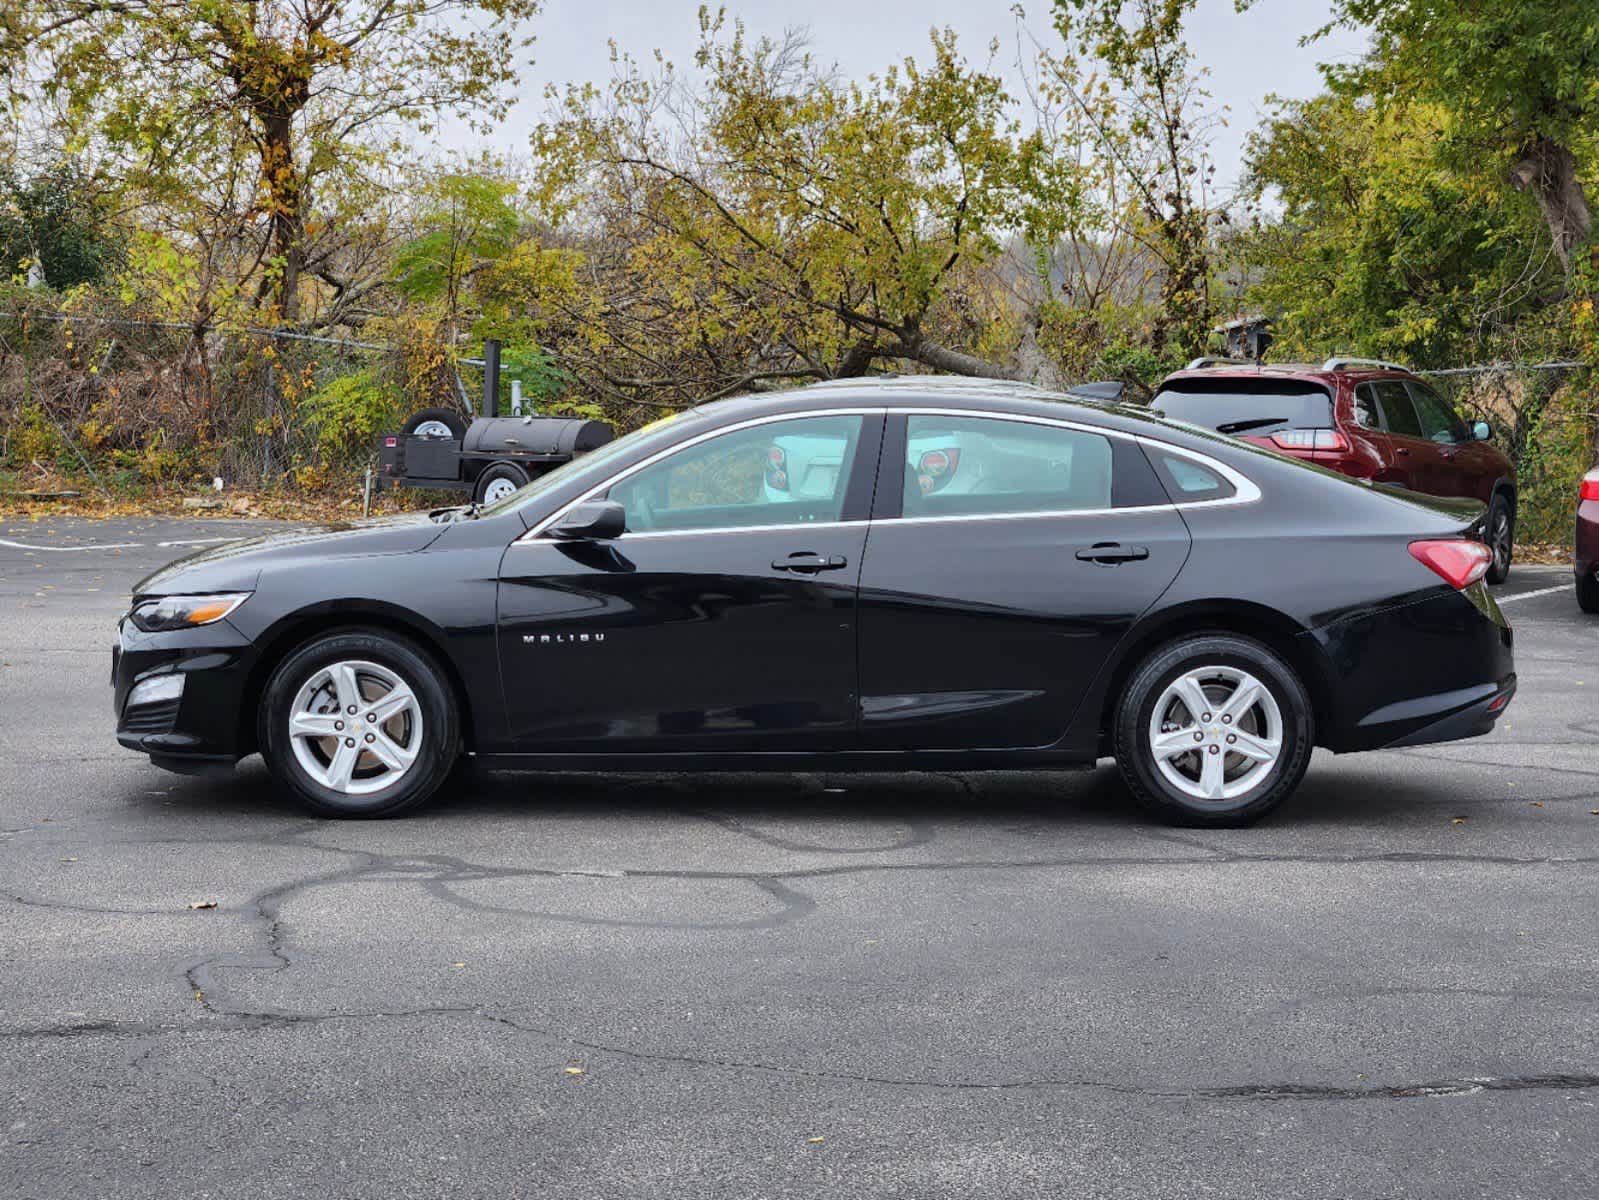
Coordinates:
(1435, 669)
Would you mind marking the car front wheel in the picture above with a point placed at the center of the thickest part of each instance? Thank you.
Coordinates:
(359, 723)
(1213, 730)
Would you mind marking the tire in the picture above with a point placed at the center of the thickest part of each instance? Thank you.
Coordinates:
(1500, 537)
(1588, 593)
(422, 739)
(491, 482)
(429, 419)
(1220, 661)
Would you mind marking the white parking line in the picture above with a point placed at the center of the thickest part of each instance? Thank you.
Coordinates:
(63, 549)
(1548, 591)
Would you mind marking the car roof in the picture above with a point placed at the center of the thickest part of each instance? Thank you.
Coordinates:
(1354, 370)
(990, 397)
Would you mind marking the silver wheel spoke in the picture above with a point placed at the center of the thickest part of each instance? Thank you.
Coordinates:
(345, 685)
(1170, 745)
(392, 705)
(342, 768)
(1262, 750)
(1212, 777)
(390, 753)
(1193, 697)
(1243, 698)
(314, 724)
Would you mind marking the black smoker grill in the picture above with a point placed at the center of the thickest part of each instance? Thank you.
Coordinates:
(492, 455)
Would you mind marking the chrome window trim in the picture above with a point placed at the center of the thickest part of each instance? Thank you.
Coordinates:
(1245, 489)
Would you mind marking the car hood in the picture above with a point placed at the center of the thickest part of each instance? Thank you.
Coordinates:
(236, 566)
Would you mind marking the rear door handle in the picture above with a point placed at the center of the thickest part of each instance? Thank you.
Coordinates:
(807, 563)
(1110, 553)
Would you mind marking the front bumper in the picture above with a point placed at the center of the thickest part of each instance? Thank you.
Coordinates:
(204, 725)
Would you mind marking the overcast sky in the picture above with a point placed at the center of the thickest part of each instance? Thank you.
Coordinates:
(1250, 56)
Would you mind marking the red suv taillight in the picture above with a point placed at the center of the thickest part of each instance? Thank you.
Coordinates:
(1458, 562)
(1589, 490)
(1310, 439)
(776, 469)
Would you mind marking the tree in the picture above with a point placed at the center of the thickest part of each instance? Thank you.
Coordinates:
(1149, 114)
(468, 222)
(1521, 79)
(1382, 238)
(57, 220)
(770, 223)
(303, 88)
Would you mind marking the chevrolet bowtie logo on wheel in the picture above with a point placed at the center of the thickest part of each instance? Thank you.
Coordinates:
(560, 639)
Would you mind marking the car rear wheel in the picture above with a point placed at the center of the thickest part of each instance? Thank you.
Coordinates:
(1501, 537)
(1588, 593)
(1213, 730)
(499, 481)
(359, 723)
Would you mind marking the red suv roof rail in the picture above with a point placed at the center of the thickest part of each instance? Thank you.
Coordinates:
(1341, 363)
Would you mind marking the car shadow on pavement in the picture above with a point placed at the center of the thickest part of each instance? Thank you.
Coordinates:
(1094, 797)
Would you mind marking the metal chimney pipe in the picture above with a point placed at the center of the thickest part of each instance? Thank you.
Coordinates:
(491, 378)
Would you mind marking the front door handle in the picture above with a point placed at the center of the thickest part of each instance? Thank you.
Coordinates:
(807, 563)
(1110, 553)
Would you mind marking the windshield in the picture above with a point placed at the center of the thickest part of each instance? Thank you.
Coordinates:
(1236, 406)
(594, 462)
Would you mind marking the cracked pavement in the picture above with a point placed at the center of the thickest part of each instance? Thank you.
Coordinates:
(1001, 984)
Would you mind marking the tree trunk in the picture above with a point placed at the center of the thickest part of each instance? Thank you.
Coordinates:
(942, 358)
(1549, 171)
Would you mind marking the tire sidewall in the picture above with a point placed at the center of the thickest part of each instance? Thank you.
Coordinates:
(1137, 706)
(1496, 506)
(454, 421)
(440, 728)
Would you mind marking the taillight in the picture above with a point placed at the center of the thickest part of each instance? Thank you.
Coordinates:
(1458, 562)
(776, 469)
(935, 468)
(390, 442)
(1590, 488)
(1310, 439)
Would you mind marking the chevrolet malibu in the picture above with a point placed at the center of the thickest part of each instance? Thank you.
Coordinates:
(981, 577)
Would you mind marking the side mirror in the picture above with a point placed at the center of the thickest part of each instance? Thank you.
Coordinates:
(1481, 430)
(594, 521)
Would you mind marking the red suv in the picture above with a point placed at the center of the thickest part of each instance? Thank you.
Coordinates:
(1369, 419)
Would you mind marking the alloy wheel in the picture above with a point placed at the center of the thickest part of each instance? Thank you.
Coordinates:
(1216, 732)
(356, 727)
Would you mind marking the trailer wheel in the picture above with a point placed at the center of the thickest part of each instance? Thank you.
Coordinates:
(498, 481)
(435, 422)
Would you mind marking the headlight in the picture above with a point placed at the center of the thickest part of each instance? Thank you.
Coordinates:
(164, 613)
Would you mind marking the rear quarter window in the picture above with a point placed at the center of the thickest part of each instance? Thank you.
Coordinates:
(1246, 406)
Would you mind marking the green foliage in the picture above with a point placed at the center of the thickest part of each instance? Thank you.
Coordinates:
(1383, 241)
(1559, 449)
(347, 412)
(59, 220)
(468, 221)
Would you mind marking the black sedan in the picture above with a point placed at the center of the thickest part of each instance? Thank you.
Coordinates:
(878, 574)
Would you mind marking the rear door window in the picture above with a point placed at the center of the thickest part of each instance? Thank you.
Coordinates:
(1398, 413)
(1246, 406)
(978, 466)
(1366, 414)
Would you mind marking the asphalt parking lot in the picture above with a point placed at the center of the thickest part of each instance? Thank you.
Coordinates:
(987, 985)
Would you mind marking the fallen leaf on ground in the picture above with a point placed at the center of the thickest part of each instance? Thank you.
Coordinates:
(1537, 803)
(202, 903)
(574, 1070)
(816, 1141)
(69, 860)
(1457, 820)
(458, 964)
